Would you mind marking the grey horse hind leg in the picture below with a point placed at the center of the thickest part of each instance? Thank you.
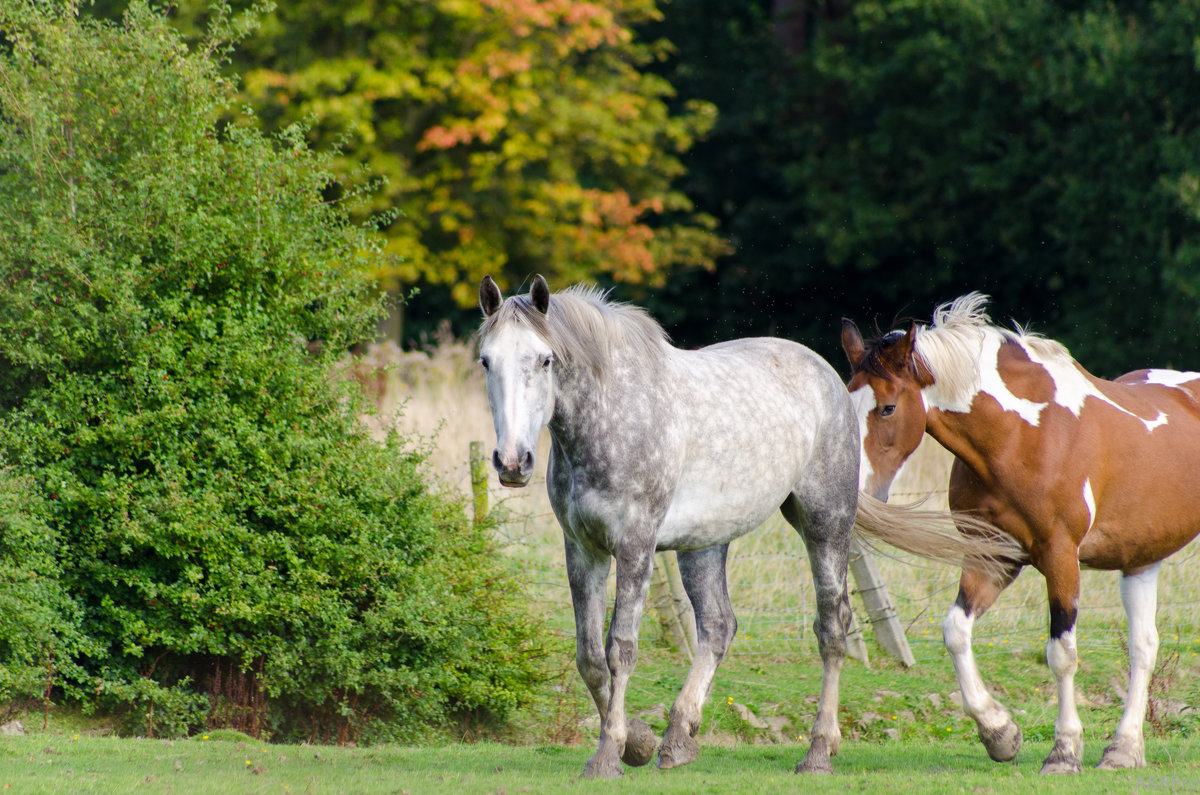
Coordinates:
(827, 537)
(703, 575)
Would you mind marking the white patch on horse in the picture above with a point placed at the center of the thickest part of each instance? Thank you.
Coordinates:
(988, 381)
(1072, 387)
(992, 384)
(977, 701)
(1173, 378)
(1161, 419)
(1062, 657)
(1139, 595)
(1089, 499)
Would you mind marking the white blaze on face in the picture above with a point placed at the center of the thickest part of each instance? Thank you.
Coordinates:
(863, 400)
(519, 389)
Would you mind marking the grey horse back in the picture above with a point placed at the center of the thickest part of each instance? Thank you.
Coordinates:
(773, 420)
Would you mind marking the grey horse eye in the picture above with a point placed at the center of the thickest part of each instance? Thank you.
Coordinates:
(483, 361)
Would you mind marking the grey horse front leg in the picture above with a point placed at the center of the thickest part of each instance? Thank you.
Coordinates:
(634, 567)
(703, 575)
(587, 572)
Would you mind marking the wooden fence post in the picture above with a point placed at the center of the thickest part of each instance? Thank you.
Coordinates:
(885, 622)
(479, 487)
(674, 616)
(856, 647)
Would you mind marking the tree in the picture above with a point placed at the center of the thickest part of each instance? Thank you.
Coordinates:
(176, 294)
(513, 137)
(1045, 153)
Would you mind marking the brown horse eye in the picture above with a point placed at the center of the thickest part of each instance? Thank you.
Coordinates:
(888, 410)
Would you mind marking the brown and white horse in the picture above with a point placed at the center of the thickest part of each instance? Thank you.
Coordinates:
(1079, 470)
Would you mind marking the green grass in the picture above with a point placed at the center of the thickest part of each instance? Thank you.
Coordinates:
(43, 764)
(901, 730)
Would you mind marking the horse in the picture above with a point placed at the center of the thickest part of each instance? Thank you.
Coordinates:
(657, 448)
(1078, 470)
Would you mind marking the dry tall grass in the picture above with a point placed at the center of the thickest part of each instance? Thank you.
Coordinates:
(439, 397)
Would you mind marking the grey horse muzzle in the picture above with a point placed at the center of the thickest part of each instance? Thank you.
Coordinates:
(515, 471)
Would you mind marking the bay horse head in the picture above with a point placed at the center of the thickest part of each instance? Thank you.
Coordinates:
(519, 361)
(885, 389)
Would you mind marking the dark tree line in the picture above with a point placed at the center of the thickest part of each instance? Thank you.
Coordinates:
(869, 159)
(875, 159)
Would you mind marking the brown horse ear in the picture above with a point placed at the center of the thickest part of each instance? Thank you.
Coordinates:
(489, 296)
(901, 350)
(852, 342)
(539, 294)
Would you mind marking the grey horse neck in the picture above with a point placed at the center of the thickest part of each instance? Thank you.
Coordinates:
(611, 385)
(606, 353)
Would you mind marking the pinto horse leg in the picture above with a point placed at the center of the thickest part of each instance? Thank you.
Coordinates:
(635, 563)
(1062, 586)
(1139, 594)
(997, 731)
(703, 575)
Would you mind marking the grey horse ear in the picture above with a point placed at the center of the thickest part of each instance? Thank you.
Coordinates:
(489, 296)
(540, 294)
(852, 342)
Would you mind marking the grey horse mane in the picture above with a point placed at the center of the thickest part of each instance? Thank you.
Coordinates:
(584, 328)
(949, 348)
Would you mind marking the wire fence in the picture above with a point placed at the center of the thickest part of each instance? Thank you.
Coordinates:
(772, 592)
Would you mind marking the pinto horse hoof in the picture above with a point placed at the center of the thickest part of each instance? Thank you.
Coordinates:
(640, 743)
(1002, 744)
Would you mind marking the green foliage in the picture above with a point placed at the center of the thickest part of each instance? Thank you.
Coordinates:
(514, 137)
(176, 295)
(39, 623)
(906, 152)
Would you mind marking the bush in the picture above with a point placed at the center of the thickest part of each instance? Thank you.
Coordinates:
(39, 623)
(175, 294)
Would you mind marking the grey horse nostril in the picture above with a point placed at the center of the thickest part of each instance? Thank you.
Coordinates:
(496, 461)
(527, 460)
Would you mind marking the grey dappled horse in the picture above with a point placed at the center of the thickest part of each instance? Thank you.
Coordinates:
(658, 448)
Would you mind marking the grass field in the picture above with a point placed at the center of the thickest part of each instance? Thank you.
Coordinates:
(89, 765)
(903, 729)
(772, 669)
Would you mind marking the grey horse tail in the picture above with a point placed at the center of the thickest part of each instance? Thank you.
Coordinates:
(956, 538)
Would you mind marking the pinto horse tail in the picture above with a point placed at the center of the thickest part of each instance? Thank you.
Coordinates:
(956, 538)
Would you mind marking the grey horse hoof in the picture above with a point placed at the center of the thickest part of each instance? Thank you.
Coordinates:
(1122, 755)
(677, 750)
(1061, 762)
(602, 768)
(640, 743)
(1002, 744)
(816, 761)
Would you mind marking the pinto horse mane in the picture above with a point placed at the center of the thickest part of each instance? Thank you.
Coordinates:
(949, 348)
(582, 326)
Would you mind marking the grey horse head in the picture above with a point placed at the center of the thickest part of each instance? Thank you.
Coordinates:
(520, 383)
